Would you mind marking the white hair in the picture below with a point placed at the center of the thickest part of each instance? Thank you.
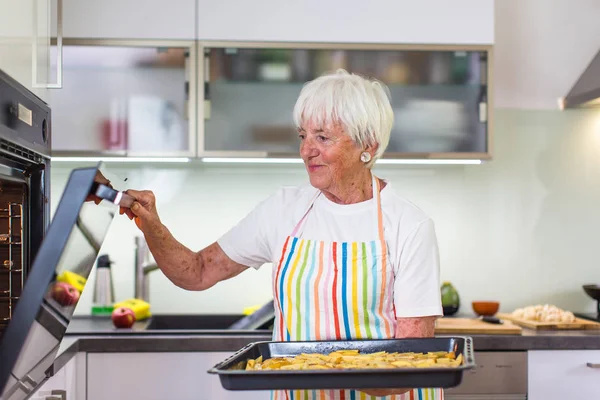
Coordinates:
(360, 104)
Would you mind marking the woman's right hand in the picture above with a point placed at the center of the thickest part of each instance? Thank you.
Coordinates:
(143, 210)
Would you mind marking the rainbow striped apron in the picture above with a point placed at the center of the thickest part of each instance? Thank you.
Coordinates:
(336, 291)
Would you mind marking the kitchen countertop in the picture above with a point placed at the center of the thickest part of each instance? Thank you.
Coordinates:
(97, 335)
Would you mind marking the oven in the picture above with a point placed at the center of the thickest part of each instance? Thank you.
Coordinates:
(24, 187)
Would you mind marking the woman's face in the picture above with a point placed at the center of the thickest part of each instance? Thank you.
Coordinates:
(331, 158)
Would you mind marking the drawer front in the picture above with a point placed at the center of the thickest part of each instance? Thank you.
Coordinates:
(497, 373)
(563, 374)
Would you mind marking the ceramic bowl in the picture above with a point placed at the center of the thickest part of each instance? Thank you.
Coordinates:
(487, 308)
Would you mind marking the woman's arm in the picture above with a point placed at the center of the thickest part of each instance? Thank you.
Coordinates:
(417, 327)
(185, 268)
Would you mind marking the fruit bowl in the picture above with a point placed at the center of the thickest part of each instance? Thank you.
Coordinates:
(485, 308)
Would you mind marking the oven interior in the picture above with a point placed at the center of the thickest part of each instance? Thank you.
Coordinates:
(13, 197)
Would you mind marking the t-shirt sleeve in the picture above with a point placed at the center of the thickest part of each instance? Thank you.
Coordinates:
(417, 281)
(249, 241)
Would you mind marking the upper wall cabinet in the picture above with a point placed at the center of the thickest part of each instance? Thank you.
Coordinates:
(129, 19)
(126, 97)
(459, 22)
(25, 42)
(438, 94)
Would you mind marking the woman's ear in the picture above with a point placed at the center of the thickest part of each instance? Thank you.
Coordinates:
(371, 149)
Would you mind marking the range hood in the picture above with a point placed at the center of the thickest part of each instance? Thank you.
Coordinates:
(586, 90)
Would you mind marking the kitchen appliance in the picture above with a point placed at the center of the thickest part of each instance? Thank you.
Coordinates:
(104, 291)
(32, 337)
(594, 292)
(25, 136)
(586, 90)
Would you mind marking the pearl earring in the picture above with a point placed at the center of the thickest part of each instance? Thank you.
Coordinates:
(365, 157)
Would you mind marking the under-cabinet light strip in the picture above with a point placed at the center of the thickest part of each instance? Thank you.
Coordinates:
(299, 161)
(123, 159)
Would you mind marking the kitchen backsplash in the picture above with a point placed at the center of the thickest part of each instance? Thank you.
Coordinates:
(522, 229)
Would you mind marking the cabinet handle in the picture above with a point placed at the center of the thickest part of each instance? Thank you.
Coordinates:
(59, 47)
(592, 365)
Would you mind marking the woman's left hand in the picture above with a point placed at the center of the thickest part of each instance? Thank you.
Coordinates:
(384, 392)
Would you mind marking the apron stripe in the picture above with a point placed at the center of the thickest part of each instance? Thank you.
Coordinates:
(276, 281)
(316, 294)
(288, 294)
(345, 290)
(299, 307)
(412, 395)
(336, 319)
(383, 263)
(420, 393)
(281, 296)
(327, 308)
(357, 329)
(308, 292)
(365, 289)
(375, 291)
(353, 395)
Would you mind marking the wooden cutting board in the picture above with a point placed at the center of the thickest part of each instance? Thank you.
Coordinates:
(579, 323)
(474, 325)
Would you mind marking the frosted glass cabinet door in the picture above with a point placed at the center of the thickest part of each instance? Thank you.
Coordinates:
(25, 42)
(126, 98)
(439, 96)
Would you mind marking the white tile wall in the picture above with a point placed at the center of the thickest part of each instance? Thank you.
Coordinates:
(521, 229)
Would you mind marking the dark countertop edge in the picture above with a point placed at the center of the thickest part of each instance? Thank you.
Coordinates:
(185, 342)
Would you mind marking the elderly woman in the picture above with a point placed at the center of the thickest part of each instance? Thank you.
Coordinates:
(351, 257)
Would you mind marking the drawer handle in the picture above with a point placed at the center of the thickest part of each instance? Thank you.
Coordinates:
(592, 365)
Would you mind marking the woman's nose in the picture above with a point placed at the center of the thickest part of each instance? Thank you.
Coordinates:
(308, 149)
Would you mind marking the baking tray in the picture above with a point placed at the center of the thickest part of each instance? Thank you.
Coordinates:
(233, 375)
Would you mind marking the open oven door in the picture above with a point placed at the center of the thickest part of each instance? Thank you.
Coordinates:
(31, 340)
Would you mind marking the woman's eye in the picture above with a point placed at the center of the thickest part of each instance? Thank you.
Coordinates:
(321, 138)
(301, 136)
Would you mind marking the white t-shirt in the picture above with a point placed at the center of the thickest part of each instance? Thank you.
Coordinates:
(409, 233)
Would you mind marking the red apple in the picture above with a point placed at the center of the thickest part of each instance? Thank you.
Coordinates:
(65, 294)
(123, 317)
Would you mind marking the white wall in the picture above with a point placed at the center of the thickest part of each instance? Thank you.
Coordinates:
(521, 229)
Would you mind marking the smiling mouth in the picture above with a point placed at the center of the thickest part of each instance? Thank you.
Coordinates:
(312, 168)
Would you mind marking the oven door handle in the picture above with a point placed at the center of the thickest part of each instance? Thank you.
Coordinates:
(114, 196)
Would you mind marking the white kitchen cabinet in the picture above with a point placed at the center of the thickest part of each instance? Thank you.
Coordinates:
(379, 21)
(159, 376)
(563, 374)
(129, 19)
(67, 383)
(25, 42)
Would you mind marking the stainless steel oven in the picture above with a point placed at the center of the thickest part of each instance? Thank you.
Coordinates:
(24, 187)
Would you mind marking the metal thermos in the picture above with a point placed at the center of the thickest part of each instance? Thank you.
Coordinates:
(104, 293)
